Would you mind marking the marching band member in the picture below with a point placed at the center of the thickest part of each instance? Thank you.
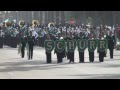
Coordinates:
(70, 55)
(48, 55)
(60, 55)
(31, 43)
(111, 44)
(81, 53)
(91, 53)
(101, 53)
(23, 44)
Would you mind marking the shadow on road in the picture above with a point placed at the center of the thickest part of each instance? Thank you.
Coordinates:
(30, 65)
(34, 65)
(22, 68)
(106, 76)
(96, 76)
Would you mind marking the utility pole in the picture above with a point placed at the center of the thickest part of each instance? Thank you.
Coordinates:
(55, 16)
(60, 17)
(32, 15)
(16, 13)
(113, 17)
(39, 15)
(43, 17)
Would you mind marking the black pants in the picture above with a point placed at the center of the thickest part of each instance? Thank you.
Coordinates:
(13, 42)
(30, 52)
(81, 56)
(101, 56)
(59, 58)
(111, 53)
(1, 42)
(40, 42)
(105, 54)
(48, 57)
(70, 56)
(23, 51)
(10, 43)
(5, 40)
(37, 42)
(91, 56)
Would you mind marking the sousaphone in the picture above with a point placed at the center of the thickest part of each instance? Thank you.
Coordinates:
(35, 23)
(51, 24)
(7, 24)
(21, 23)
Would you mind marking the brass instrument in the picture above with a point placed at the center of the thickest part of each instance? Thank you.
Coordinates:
(7, 24)
(35, 23)
(51, 23)
(3, 24)
(21, 23)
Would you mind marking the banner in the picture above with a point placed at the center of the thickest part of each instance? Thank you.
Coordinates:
(60, 45)
(49, 45)
(102, 45)
(71, 45)
(81, 44)
(92, 44)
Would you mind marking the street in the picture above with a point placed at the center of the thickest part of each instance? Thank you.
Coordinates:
(12, 66)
